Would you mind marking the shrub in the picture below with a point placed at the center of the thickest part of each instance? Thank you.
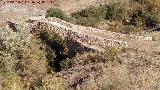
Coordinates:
(146, 14)
(142, 17)
(65, 64)
(116, 27)
(90, 16)
(19, 55)
(130, 29)
(111, 54)
(151, 21)
(2, 45)
(52, 39)
(137, 18)
(116, 11)
(140, 13)
(88, 58)
(93, 15)
(56, 44)
(55, 12)
(151, 5)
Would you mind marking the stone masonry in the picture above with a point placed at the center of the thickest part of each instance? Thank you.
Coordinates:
(90, 41)
(89, 37)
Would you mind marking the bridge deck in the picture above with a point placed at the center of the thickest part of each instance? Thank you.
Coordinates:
(88, 36)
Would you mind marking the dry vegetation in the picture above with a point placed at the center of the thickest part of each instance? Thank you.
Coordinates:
(129, 17)
(40, 61)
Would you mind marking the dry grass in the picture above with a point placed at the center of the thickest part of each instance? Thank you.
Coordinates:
(12, 82)
(148, 46)
(138, 71)
(134, 68)
(50, 82)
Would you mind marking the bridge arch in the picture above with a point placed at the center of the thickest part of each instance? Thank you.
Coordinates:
(67, 30)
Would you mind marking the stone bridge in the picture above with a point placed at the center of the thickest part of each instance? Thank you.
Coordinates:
(93, 38)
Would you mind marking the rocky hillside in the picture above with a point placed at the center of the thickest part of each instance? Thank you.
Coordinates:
(43, 60)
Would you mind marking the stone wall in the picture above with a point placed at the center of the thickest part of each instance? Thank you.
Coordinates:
(67, 31)
(95, 31)
(99, 32)
(87, 36)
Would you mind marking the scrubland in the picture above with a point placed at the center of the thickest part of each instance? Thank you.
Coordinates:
(43, 61)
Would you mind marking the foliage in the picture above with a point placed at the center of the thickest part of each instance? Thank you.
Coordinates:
(52, 82)
(55, 44)
(152, 6)
(116, 11)
(88, 58)
(65, 64)
(142, 17)
(93, 15)
(111, 54)
(140, 13)
(145, 13)
(90, 16)
(55, 12)
(20, 57)
(52, 39)
(130, 29)
(11, 82)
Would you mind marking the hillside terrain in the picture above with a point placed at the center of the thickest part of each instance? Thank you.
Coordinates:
(40, 59)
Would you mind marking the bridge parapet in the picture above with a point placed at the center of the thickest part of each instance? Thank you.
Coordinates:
(86, 39)
(99, 32)
(88, 36)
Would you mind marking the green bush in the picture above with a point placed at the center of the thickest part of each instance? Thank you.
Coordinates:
(151, 5)
(52, 39)
(151, 20)
(139, 13)
(146, 14)
(55, 12)
(116, 11)
(57, 50)
(90, 16)
(130, 29)
(93, 15)
(137, 18)
(142, 17)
